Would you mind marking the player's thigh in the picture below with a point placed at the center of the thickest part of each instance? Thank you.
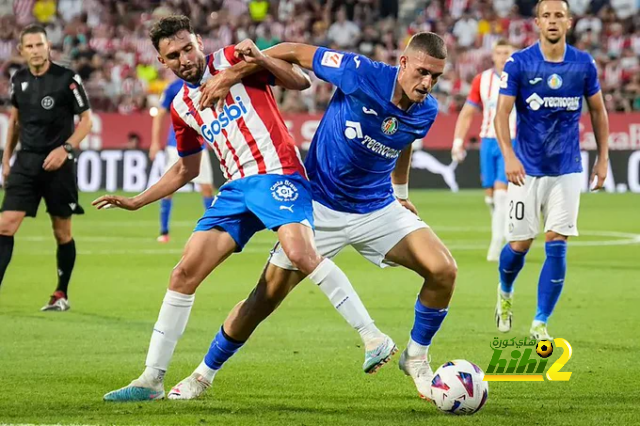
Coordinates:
(330, 236)
(230, 213)
(523, 214)
(296, 240)
(204, 251)
(423, 252)
(206, 173)
(22, 190)
(375, 234)
(487, 163)
(60, 191)
(562, 204)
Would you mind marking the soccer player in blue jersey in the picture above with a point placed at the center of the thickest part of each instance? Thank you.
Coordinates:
(546, 82)
(358, 166)
(204, 179)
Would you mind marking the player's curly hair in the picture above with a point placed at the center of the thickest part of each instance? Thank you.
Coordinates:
(430, 43)
(168, 27)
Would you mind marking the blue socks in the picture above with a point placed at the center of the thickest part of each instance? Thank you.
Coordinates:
(222, 348)
(511, 263)
(427, 323)
(551, 279)
(165, 214)
(207, 202)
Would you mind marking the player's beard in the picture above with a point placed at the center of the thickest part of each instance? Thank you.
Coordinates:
(195, 79)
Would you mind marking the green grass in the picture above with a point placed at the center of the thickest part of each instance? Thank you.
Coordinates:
(303, 365)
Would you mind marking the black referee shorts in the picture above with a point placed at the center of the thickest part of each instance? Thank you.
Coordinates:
(28, 183)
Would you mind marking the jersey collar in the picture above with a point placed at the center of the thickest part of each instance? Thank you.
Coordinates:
(205, 74)
(566, 48)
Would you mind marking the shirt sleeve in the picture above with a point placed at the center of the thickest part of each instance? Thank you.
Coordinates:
(188, 141)
(169, 93)
(474, 97)
(79, 98)
(592, 85)
(12, 92)
(510, 78)
(345, 70)
(226, 58)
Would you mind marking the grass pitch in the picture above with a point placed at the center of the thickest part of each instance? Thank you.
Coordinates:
(303, 365)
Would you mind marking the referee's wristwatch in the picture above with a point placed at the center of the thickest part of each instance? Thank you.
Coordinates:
(69, 148)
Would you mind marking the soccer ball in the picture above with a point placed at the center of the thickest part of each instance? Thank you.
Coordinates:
(457, 387)
(544, 348)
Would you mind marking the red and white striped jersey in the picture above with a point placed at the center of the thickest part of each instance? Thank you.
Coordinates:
(249, 136)
(485, 89)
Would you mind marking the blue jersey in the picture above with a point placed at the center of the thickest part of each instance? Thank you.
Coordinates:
(549, 104)
(165, 102)
(361, 134)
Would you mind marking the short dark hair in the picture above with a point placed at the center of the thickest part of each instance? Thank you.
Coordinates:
(32, 29)
(542, 1)
(502, 42)
(168, 27)
(430, 43)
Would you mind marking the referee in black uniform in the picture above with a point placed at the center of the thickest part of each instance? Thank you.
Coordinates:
(45, 98)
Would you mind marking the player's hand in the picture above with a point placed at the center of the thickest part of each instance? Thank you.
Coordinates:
(55, 159)
(599, 172)
(409, 206)
(514, 170)
(6, 169)
(458, 154)
(153, 151)
(215, 90)
(249, 52)
(113, 201)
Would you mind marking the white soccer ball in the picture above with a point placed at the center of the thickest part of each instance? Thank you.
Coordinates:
(457, 387)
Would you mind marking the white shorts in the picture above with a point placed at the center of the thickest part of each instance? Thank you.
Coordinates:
(557, 198)
(206, 174)
(373, 234)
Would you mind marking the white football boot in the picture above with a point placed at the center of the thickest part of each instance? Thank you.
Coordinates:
(420, 371)
(190, 388)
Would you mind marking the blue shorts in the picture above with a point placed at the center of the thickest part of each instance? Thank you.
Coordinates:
(248, 205)
(491, 163)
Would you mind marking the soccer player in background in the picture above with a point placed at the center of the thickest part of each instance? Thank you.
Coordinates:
(266, 187)
(204, 179)
(546, 83)
(358, 166)
(484, 97)
(45, 98)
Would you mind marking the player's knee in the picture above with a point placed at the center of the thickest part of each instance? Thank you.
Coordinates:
(303, 258)
(62, 235)
(521, 246)
(554, 236)
(443, 276)
(8, 227)
(182, 281)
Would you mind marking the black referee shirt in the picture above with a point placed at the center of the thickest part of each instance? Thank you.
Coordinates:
(47, 105)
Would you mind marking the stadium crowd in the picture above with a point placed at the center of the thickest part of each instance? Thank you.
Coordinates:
(106, 43)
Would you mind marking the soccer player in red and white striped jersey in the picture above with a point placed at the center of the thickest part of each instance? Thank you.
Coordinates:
(484, 96)
(266, 187)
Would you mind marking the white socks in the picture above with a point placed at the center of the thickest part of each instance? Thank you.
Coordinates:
(415, 349)
(171, 323)
(489, 202)
(499, 219)
(207, 372)
(336, 286)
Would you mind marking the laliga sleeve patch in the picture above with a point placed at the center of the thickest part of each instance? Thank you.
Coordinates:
(332, 59)
(504, 80)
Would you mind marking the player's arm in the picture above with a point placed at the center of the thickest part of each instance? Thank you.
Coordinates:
(286, 74)
(600, 123)
(513, 167)
(187, 168)
(156, 131)
(471, 106)
(509, 89)
(463, 123)
(13, 134)
(400, 179)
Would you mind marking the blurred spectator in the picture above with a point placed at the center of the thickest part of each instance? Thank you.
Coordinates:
(44, 11)
(106, 41)
(343, 33)
(133, 141)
